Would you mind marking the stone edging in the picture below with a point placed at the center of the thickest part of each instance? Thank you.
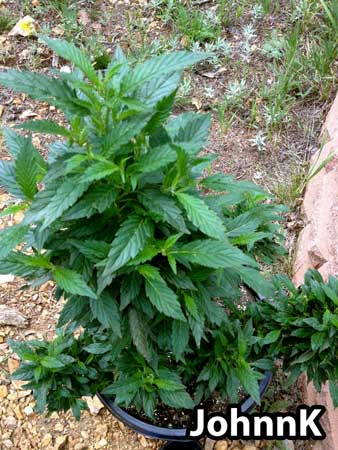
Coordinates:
(318, 248)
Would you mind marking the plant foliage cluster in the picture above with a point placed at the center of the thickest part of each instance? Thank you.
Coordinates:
(148, 251)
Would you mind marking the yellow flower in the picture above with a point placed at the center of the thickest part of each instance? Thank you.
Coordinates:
(24, 27)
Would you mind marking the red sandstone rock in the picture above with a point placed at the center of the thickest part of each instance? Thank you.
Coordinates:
(318, 248)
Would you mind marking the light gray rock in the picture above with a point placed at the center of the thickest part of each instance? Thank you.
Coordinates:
(209, 444)
(9, 316)
(6, 279)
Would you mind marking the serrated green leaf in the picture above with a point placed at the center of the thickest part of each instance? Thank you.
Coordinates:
(121, 133)
(44, 126)
(172, 263)
(166, 384)
(249, 380)
(50, 203)
(51, 362)
(139, 334)
(160, 65)
(130, 239)
(36, 260)
(92, 249)
(164, 207)
(80, 210)
(10, 237)
(97, 348)
(160, 295)
(220, 182)
(155, 159)
(179, 337)
(334, 392)
(73, 54)
(149, 403)
(157, 93)
(27, 170)
(99, 170)
(77, 406)
(147, 254)
(74, 307)
(202, 216)
(255, 280)
(271, 337)
(16, 142)
(249, 239)
(191, 306)
(130, 288)
(100, 197)
(331, 294)
(105, 310)
(165, 104)
(72, 282)
(41, 87)
(8, 180)
(214, 254)
(177, 399)
(197, 328)
(23, 350)
(40, 395)
(190, 131)
(127, 384)
(22, 265)
(37, 373)
(304, 357)
(317, 341)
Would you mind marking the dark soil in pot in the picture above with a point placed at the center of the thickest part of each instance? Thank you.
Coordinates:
(172, 423)
(168, 417)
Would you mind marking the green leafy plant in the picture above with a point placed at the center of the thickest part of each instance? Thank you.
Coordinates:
(274, 47)
(149, 252)
(302, 326)
(6, 20)
(195, 25)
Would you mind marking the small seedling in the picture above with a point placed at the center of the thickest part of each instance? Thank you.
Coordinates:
(274, 47)
(259, 141)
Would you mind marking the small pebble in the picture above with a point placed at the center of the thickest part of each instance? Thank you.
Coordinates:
(102, 443)
(221, 445)
(60, 442)
(3, 391)
(143, 441)
(10, 422)
(209, 444)
(58, 427)
(28, 411)
(101, 430)
(13, 364)
(46, 440)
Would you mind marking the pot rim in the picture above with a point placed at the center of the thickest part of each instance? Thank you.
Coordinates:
(171, 434)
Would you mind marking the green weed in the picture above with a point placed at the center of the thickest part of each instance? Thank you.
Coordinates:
(288, 190)
(266, 5)
(6, 20)
(196, 25)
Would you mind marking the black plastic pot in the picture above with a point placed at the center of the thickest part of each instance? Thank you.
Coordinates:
(170, 434)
